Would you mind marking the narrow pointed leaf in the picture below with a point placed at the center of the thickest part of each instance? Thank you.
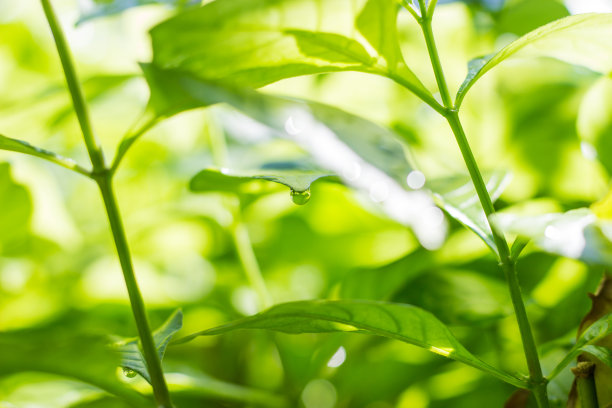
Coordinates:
(594, 333)
(577, 234)
(457, 196)
(131, 356)
(15, 145)
(397, 321)
(254, 43)
(580, 39)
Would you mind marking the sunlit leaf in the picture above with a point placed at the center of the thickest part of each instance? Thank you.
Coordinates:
(577, 234)
(131, 355)
(397, 321)
(579, 39)
(457, 196)
(16, 207)
(254, 43)
(365, 155)
(15, 145)
(91, 9)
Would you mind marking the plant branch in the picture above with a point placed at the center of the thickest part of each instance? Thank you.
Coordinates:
(160, 389)
(76, 93)
(103, 177)
(537, 380)
(141, 127)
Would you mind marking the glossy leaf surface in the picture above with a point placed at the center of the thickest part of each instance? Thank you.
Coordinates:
(397, 321)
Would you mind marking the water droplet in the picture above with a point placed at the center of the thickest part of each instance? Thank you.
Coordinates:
(300, 197)
(415, 180)
(129, 373)
(291, 127)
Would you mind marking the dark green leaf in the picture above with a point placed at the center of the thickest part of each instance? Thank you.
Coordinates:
(397, 321)
(83, 358)
(254, 43)
(131, 355)
(296, 179)
(457, 196)
(579, 39)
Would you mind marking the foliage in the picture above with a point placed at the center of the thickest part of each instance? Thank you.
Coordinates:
(399, 236)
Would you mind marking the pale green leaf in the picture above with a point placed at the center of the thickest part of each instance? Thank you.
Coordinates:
(577, 234)
(254, 43)
(131, 355)
(457, 196)
(397, 321)
(15, 145)
(581, 39)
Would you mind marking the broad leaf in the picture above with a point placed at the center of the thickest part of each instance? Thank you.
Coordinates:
(15, 145)
(581, 39)
(365, 155)
(131, 355)
(457, 196)
(394, 320)
(603, 354)
(91, 9)
(254, 43)
(83, 358)
(577, 234)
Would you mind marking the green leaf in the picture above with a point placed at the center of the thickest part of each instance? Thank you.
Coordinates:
(393, 320)
(577, 234)
(15, 145)
(296, 178)
(580, 39)
(86, 358)
(131, 355)
(254, 43)
(16, 209)
(595, 332)
(92, 9)
(603, 354)
(457, 196)
(365, 155)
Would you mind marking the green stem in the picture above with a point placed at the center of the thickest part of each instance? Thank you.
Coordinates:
(160, 389)
(537, 380)
(103, 177)
(247, 257)
(585, 383)
(76, 93)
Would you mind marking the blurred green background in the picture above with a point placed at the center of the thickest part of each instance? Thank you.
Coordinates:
(59, 273)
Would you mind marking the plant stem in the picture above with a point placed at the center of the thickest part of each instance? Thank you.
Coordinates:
(103, 177)
(247, 257)
(76, 93)
(507, 264)
(160, 389)
(585, 382)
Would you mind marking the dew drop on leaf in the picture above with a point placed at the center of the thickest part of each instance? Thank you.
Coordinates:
(129, 373)
(300, 197)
